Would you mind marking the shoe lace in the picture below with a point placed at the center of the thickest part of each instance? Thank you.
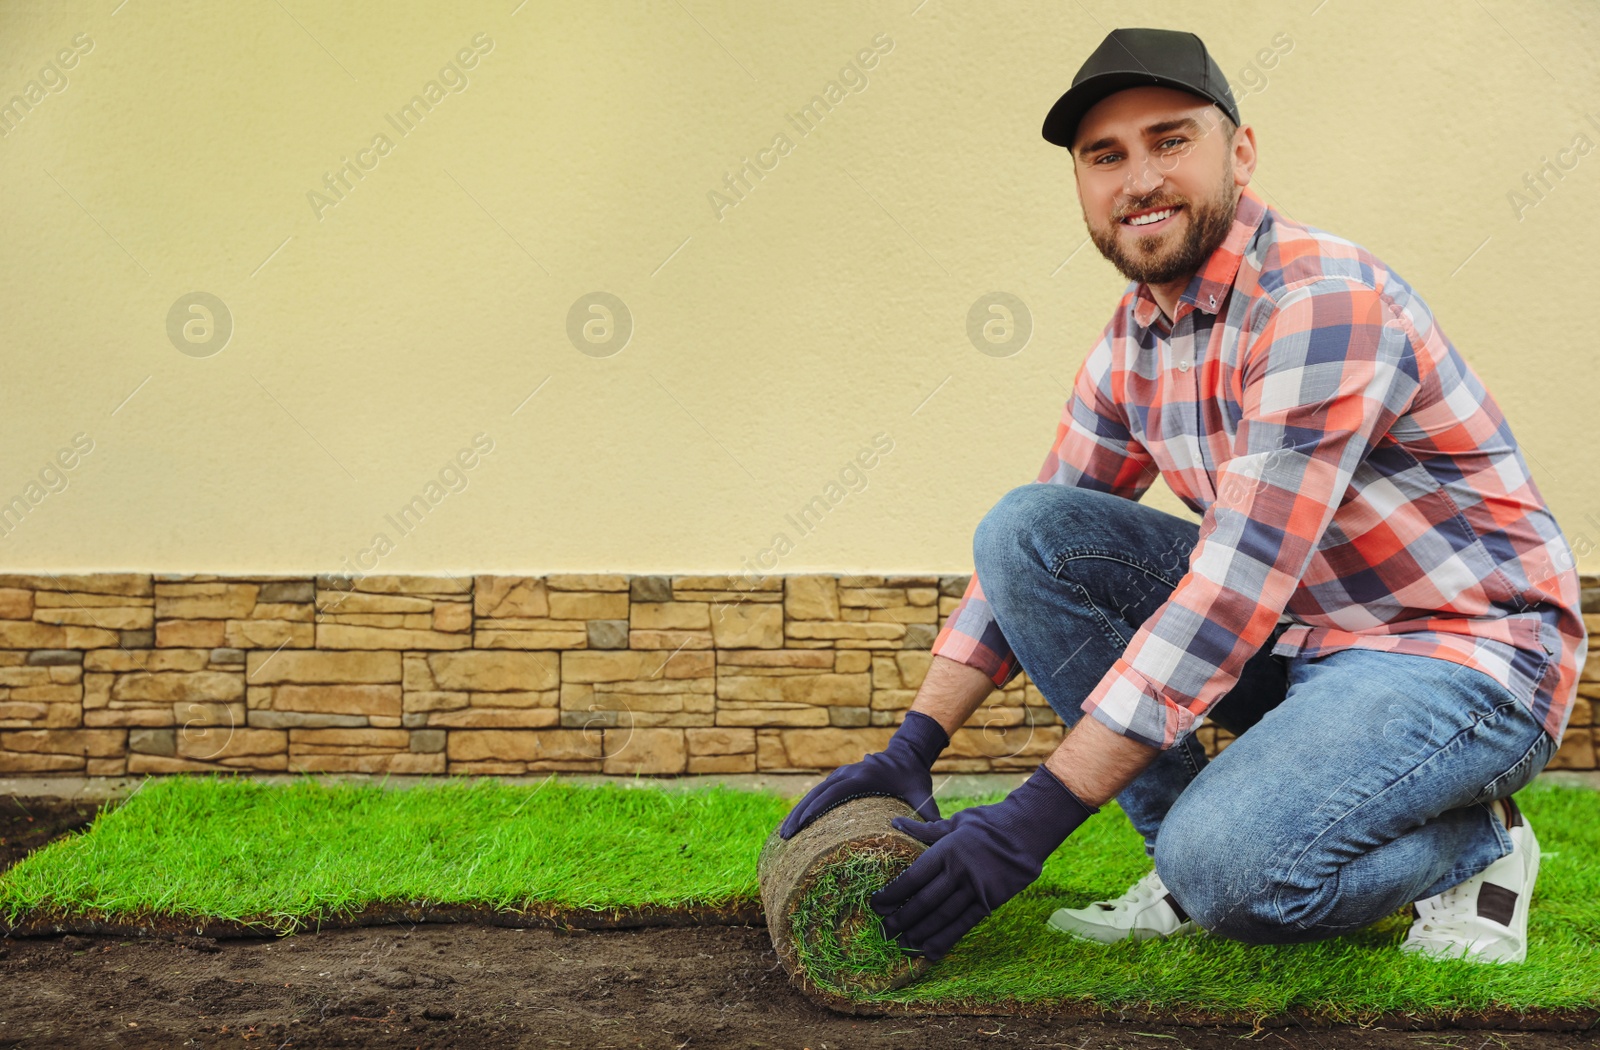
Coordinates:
(1441, 912)
(1139, 894)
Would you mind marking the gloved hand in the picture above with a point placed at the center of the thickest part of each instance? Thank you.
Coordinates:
(901, 769)
(976, 861)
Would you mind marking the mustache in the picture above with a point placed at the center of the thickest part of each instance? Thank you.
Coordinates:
(1146, 206)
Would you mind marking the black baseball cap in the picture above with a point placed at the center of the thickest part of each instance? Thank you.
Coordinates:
(1129, 58)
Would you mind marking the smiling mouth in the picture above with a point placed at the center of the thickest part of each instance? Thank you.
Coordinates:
(1151, 219)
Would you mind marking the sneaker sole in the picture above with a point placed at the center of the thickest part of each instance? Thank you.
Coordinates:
(1519, 920)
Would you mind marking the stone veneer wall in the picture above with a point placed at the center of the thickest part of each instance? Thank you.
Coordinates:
(119, 673)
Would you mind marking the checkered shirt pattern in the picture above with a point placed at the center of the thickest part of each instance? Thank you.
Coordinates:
(1355, 481)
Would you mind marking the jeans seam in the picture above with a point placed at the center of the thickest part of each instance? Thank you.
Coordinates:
(1076, 553)
(1108, 554)
(1503, 837)
(1188, 757)
(1485, 797)
(1111, 633)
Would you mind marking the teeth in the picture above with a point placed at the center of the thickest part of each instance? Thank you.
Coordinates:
(1155, 216)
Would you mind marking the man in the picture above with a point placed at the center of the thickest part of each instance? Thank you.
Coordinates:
(1376, 599)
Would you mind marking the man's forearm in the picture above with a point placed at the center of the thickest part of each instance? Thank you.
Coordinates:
(1096, 763)
(950, 692)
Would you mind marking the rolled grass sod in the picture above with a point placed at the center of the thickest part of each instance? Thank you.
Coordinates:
(839, 943)
(289, 857)
(814, 890)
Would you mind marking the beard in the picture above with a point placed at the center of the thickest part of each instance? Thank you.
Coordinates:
(1164, 257)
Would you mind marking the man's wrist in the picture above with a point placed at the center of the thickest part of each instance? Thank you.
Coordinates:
(924, 736)
(951, 691)
(1081, 809)
(1095, 762)
(1042, 812)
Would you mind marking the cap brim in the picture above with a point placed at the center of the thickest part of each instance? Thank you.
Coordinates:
(1061, 123)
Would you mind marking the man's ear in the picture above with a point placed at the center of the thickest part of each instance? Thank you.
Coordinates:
(1244, 153)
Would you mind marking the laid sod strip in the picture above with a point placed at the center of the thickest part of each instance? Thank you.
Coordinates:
(1014, 957)
(238, 850)
(289, 855)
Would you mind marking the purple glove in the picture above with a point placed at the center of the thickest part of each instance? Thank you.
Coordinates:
(976, 861)
(901, 769)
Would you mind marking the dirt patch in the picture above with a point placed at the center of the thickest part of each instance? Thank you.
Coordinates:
(28, 823)
(465, 985)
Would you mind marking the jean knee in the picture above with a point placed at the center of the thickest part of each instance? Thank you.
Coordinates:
(1220, 875)
(1005, 532)
(1016, 524)
(1011, 515)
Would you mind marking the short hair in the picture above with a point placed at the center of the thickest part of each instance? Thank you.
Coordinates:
(1228, 126)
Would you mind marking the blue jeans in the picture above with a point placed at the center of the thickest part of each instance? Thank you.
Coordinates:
(1359, 782)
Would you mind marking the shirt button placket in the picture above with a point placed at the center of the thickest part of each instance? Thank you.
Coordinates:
(1183, 359)
(1182, 345)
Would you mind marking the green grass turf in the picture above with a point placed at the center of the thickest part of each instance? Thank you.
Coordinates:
(836, 934)
(196, 847)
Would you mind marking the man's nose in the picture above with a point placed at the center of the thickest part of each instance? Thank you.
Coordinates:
(1145, 175)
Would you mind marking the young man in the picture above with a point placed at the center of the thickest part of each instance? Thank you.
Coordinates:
(1376, 598)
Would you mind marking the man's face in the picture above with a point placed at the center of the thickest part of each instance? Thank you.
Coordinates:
(1146, 149)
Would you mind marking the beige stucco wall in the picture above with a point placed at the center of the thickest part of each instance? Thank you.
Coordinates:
(374, 337)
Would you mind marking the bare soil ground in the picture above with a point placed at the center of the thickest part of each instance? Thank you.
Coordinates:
(437, 985)
(28, 823)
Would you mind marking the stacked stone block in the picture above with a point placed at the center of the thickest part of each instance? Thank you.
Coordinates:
(209, 612)
(120, 673)
(1580, 744)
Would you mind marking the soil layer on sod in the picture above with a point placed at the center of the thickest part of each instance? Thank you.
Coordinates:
(468, 926)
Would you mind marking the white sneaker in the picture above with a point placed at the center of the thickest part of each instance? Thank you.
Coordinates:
(1147, 911)
(1484, 919)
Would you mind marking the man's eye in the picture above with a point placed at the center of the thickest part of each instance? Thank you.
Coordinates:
(1104, 156)
(1175, 138)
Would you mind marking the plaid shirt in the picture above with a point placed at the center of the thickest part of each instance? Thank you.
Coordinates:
(1356, 482)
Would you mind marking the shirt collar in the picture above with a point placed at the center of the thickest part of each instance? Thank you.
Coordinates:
(1208, 288)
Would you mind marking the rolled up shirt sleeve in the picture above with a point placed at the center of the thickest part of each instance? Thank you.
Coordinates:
(1333, 366)
(1094, 449)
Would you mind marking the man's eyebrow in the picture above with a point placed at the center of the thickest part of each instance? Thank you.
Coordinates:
(1178, 124)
